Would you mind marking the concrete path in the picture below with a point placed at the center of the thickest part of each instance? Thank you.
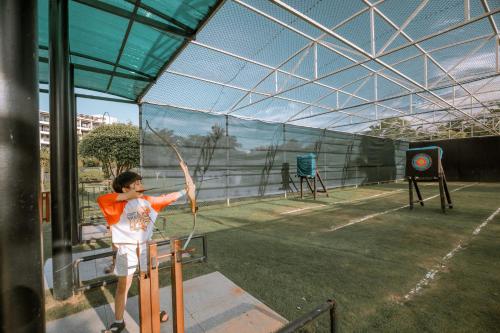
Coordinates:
(213, 303)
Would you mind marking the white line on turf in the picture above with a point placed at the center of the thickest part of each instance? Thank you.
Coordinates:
(301, 209)
(367, 217)
(343, 202)
(370, 197)
(430, 275)
(488, 220)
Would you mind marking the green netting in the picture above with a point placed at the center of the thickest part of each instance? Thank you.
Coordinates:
(98, 32)
(230, 157)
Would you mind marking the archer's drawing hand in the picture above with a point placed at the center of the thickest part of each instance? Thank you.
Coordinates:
(133, 194)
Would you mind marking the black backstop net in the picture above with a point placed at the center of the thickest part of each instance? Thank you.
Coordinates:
(230, 157)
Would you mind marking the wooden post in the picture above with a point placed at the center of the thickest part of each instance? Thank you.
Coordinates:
(177, 291)
(410, 191)
(155, 287)
(441, 193)
(144, 299)
(419, 195)
(314, 187)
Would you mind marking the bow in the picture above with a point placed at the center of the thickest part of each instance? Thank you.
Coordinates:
(191, 194)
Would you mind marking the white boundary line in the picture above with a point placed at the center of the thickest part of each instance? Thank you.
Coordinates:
(430, 275)
(301, 209)
(367, 217)
(387, 193)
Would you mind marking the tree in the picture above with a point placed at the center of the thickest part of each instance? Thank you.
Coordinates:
(115, 146)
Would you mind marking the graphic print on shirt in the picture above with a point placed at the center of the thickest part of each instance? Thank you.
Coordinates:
(139, 219)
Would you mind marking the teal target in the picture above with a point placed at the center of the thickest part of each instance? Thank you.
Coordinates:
(421, 162)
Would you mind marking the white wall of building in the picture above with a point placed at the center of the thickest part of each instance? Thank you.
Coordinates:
(85, 124)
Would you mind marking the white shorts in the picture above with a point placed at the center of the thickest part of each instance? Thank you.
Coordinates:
(126, 259)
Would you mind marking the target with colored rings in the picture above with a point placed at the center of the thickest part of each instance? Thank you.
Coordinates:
(421, 162)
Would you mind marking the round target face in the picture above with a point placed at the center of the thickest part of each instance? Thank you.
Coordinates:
(421, 162)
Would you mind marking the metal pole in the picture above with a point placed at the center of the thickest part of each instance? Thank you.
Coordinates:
(284, 154)
(75, 208)
(227, 161)
(61, 148)
(22, 301)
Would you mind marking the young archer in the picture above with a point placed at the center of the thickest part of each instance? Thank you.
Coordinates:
(131, 216)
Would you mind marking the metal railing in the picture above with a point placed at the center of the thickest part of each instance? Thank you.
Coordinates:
(80, 286)
(329, 306)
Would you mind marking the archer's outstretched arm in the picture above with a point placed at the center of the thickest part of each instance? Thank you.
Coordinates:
(162, 201)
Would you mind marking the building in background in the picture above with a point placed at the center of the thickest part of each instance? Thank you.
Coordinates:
(85, 124)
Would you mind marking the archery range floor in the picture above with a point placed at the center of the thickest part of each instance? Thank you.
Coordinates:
(213, 303)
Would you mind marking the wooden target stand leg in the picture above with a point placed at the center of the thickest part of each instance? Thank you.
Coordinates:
(445, 187)
(150, 316)
(413, 182)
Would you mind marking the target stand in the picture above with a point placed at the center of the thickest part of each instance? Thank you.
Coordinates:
(307, 170)
(425, 164)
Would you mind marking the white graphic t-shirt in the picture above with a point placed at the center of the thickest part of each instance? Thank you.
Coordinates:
(133, 221)
(136, 223)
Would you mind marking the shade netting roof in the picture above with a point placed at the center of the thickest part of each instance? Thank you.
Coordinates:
(346, 65)
(120, 46)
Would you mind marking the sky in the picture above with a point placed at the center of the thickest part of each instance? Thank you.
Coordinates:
(125, 113)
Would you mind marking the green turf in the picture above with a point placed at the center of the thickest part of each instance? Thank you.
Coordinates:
(293, 262)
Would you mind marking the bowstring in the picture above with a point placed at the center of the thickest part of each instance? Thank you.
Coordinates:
(181, 160)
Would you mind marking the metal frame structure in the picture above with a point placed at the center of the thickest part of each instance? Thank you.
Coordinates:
(444, 106)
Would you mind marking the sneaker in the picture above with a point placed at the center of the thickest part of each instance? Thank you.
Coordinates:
(116, 327)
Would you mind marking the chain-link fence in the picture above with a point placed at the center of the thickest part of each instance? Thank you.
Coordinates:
(230, 157)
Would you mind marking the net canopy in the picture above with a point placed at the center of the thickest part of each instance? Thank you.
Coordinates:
(230, 157)
(121, 46)
(413, 70)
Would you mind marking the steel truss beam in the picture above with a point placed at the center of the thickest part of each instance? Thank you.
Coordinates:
(429, 56)
(124, 41)
(326, 45)
(174, 31)
(368, 55)
(362, 63)
(103, 61)
(250, 91)
(103, 71)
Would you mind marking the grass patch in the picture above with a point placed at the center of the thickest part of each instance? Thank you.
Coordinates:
(293, 262)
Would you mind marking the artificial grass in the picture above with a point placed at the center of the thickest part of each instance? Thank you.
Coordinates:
(293, 262)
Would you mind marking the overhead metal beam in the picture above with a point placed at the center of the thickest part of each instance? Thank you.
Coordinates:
(106, 7)
(162, 15)
(248, 91)
(395, 97)
(404, 25)
(426, 53)
(324, 44)
(103, 61)
(124, 41)
(185, 43)
(103, 71)
(367, 54)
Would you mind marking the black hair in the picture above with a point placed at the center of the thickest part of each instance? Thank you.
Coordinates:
(125, 179)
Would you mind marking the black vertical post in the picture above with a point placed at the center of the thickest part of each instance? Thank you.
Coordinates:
(410, 191)
(74, 179)
(21, 278)
(441, 193)
(61, 148)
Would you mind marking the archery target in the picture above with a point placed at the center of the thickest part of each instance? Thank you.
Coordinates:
(421, 162)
